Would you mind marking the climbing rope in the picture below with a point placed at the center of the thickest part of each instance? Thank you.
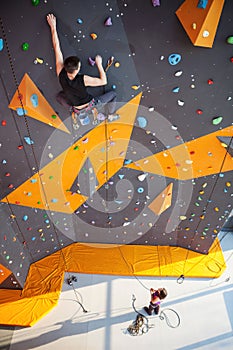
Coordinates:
(141, 324)
(36, 171)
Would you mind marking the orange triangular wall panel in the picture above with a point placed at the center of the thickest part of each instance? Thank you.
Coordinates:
(199, 23)
(29, 98)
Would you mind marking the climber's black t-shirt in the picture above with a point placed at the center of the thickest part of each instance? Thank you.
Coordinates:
(75, 90)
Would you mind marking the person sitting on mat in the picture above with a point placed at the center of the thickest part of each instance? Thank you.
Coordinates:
(156, 297)
(75, 85)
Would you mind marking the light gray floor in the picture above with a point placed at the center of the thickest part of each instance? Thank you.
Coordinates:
(205, 308)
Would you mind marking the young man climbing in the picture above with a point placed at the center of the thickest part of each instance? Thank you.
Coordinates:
(74, 84)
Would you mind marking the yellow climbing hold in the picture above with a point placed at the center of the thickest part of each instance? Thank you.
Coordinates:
(216, 209)
(117, 64)
(135, 87)
(228, 184)
(93, 36)
(183, 217)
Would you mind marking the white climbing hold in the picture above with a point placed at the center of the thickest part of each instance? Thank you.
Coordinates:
(142, 177)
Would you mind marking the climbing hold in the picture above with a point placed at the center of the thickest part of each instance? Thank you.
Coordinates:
(93, 36)
(7, 174)
(174, 59)
(28, 140)
(108, 22)
(230, 40)
(20, 147)
(217, 120)
(91, 61)
(121, 176)
(21, 111)
(35, 2)
(142, 177)
(205, 34)
(183, 217)
(53, 116)
(25, 218)
(216, 209)
(33, 181)
(79, 21)
(142, 122)
(114, 87)
(231, 59)
(50, 155)
(38, 60)
(228, 184)
(25, 46)
(199, 111)
(210, 81)
(204, 185)
(156, 3)
(202, 4)
(1, 44)
(135, 87)
(151, 109)
(54, 200)
(76, 148)
(34, 100)
(3, 123)
(140, 189)
(176, 89)
(178, 73)
(194, 25)
(180, 103)
(117, 64)
(127, 161)
(3, 161)
(126, 223)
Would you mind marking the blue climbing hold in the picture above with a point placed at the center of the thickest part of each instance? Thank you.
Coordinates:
(21, 111)
(176, 89)
(79, 21)
(28, 140)
(174, 59)
(142, 122)
(202, 4)
(127, 161)
(140, 190)
(121, 176)
(1, 44)
(25, 218)
(34, 100)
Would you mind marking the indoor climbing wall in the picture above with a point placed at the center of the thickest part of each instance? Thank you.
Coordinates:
(159, 175)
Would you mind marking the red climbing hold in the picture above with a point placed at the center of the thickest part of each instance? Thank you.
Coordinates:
(199, 111)
(3, 122)
(7, 174)
(210, 81)
(231, 59)
(20, 147)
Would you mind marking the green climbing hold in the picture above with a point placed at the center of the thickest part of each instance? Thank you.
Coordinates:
(54, 116)
(217, 120)
(230, 40)
(25, 46)
(76, 148)
(35, 2)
